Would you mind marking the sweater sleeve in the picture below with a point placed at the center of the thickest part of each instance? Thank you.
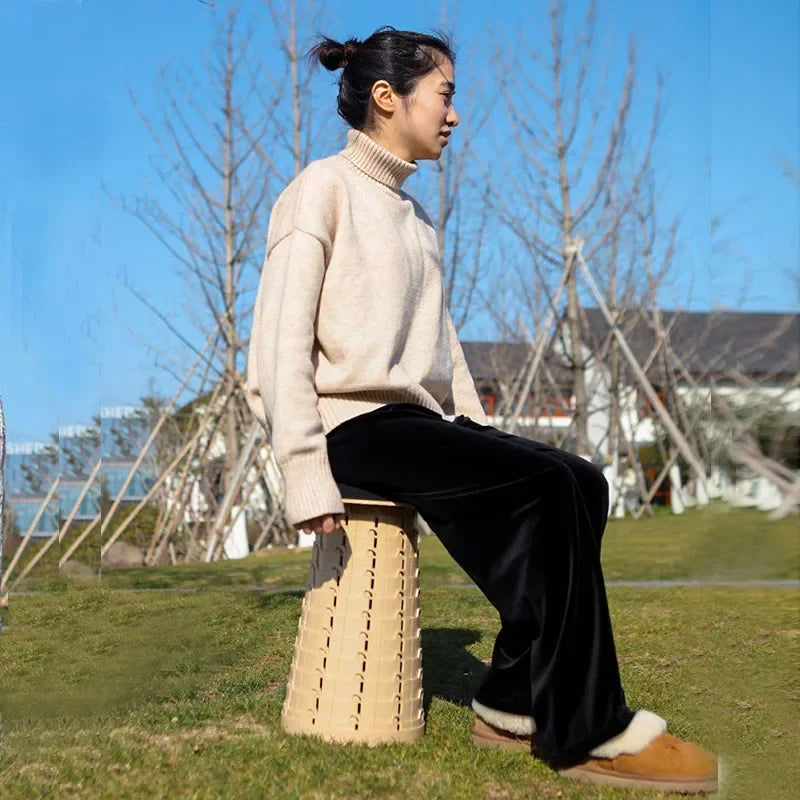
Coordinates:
(283, 340)
(464, 394)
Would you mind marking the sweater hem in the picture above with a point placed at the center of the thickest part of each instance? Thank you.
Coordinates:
(335, 409)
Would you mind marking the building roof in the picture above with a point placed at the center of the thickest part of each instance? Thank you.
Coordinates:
(715, 343)
(708, 343)
(489, 360)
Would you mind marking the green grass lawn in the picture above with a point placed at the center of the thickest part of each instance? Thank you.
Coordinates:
(108, 693)
(715, 543)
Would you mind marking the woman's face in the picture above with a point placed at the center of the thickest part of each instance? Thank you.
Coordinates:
(417, 131)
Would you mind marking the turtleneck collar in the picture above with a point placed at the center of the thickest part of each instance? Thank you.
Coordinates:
(378, 162)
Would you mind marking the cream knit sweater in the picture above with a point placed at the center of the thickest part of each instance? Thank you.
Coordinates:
(350, 315)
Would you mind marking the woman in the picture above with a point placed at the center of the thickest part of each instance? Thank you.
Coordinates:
(355, 366)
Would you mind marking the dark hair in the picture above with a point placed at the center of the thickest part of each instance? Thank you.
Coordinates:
(399, 57)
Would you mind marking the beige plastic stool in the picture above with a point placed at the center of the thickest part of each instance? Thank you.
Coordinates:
(356, 674)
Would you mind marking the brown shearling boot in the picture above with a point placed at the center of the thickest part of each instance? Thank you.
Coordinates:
(486, 735)
(666, 763)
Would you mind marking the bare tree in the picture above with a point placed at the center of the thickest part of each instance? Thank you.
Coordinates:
(211, 215)
(631, 292)
(225, 140)
(553, 184)
(462, 216)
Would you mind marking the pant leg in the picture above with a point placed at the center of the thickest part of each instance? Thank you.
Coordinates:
(514, 519)
(593, 484)
(504, 684)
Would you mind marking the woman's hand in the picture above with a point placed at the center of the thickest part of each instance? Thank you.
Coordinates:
(326, 523)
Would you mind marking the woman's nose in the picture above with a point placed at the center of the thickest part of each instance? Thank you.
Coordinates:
(452, 117)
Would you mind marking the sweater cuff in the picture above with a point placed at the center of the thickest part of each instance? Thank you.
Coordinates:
(311, 489)
(478, 414)
(467, 401)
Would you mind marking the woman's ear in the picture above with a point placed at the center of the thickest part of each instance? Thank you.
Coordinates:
(383, 95)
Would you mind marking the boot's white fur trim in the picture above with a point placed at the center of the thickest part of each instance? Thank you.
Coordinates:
(642, 729)
(513, 723)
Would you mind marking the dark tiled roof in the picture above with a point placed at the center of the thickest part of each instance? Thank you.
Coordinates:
(756, 344)
(713, 343)
(488, 360)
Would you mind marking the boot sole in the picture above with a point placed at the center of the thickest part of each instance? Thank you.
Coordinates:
(503, 745)
(690, 786)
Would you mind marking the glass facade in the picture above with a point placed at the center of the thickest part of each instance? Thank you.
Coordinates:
(30, 469)
(25, 510)
(68, 494)
(115, 474)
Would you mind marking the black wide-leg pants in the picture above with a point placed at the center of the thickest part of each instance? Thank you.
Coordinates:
(524, 520)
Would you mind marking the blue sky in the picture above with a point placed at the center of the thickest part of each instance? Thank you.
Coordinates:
(732, 115)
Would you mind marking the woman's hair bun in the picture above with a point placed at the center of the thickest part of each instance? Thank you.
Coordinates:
(334, 55)
(401, 58)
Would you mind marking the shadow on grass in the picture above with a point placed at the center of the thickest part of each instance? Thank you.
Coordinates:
(449, 670)
(89, 651)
